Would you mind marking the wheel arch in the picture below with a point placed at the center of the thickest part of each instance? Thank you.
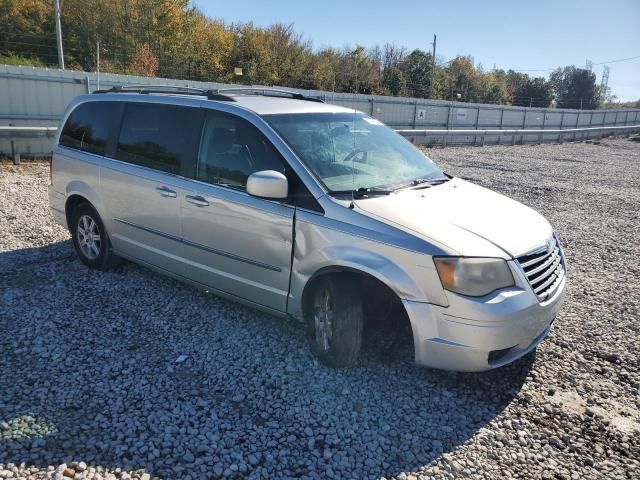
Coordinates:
(71, 204)
(360, 274)
(78, 192)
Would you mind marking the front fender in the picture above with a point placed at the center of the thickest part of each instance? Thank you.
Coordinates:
(320, 248)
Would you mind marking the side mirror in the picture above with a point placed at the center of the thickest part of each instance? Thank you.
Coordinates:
(268, 184)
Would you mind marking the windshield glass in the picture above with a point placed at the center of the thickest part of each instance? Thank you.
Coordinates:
(348, 151)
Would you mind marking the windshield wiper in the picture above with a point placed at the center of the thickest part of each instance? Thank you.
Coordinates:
(361, 192)
(422, 183)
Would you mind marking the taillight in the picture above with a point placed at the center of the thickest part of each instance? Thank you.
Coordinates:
(51, 169)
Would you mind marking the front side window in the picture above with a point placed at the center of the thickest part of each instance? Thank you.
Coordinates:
(88, 127)
(351, 151)
(156, 136)
(231, 149)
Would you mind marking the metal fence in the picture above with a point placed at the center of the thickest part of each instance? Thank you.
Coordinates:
(31, 96)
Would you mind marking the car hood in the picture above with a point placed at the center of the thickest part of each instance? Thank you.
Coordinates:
(463, 218)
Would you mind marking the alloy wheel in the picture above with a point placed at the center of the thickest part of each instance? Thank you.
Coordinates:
(88, 235)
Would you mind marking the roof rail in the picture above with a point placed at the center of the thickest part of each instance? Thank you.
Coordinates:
(268, 92)
(178, 89)
(221, 94)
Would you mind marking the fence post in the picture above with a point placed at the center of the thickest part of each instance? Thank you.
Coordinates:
(560, 137)
(13, 148)
(577, 121)
(544, 122)
(501, 118)
(524, 123)
(477, 122)
(372, 100)
(590, 121)
(87, 84)
(415, 113)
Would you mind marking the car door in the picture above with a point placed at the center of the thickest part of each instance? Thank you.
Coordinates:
(233, 242)
(143, 186)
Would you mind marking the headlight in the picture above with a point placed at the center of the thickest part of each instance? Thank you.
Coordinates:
(475, 277)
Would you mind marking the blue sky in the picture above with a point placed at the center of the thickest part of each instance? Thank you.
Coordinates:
(531, 35)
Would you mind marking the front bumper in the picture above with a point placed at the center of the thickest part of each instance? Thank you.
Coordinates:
(481, 334)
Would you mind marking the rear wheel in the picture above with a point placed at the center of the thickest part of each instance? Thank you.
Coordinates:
(335, 319)
(90, 238)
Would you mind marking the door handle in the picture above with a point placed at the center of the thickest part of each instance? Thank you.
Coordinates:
(166, 192)
(197, 200)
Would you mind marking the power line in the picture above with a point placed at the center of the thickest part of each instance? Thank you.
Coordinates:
(593, 64)
(619, 60)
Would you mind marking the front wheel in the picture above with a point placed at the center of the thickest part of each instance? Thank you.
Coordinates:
(335, 320)
(90, 238)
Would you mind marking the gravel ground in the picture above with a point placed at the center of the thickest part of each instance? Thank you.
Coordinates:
(128, 374)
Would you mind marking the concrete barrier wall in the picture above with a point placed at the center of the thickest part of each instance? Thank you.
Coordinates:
(31, 96)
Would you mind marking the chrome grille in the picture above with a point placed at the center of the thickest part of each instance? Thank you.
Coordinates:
(544, 269)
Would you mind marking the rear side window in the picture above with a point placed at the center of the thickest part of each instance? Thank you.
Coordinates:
(88, 127)
(157, 136)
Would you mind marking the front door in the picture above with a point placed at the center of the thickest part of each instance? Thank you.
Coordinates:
(234, 242)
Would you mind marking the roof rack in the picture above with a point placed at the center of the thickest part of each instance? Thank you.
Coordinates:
(146, 89)
(268, 92)
(220, 94)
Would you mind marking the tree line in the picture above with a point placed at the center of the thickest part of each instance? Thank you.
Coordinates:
(174, 39)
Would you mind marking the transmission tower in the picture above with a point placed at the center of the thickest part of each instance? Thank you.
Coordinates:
(588, 64)
(605, 77)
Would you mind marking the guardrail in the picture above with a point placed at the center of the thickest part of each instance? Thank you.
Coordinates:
(48, 131)
(519, 133)
(45, 130)
(417, 133)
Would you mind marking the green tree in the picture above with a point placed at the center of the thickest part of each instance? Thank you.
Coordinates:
(534, 92)
(417, 71)
(575, 88)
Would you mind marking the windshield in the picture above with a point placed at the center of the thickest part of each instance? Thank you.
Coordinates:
(351, 151)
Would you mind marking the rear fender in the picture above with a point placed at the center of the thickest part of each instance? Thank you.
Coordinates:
(82, 189)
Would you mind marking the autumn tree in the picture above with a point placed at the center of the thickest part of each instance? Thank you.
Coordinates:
(174, 39)
(144, 63)
(463, 79)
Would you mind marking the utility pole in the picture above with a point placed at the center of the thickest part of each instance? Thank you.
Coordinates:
(433, 66)
(355, 56)
(59, 37)
(98, 62)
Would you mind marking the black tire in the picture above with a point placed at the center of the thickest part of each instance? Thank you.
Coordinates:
(100, 257)
(339, 300)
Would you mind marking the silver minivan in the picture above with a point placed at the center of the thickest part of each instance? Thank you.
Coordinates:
(307, 210)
